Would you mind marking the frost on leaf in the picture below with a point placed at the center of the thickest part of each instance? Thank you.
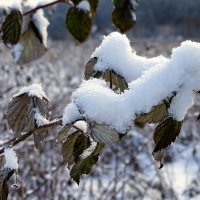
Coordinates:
(166, 133)
(22, 112)
(11, 27)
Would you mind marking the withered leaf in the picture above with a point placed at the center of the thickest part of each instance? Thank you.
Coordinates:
(31, 46)
(157, 114)
(82, 142)
(21, 112)
(5, 175)
(68, 149)
(104, 134)
(84, 166)
(116, 81)
(166, 133)
(89, 68)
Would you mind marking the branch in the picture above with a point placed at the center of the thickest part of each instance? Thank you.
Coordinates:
(44, 6)
(23, 137)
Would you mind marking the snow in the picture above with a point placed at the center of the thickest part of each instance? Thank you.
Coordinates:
(15, 4)
(40, 120)
(156, 82)
(70, 114)
(41, 22)
(116, 53)
(84, 5)
(87, 152)
(17, 51)
(11, 159)
(82, 125)
(34, 90)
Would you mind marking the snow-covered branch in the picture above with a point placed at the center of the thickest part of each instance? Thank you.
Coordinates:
(150, 81)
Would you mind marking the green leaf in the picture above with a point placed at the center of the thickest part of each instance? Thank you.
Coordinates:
(68, 148)
(157, 114)
(166, 133)
(31, 46)
(11, 27)
(5, 175)
(123, 15)
(79, 23)
(123, 19)
(84, 166)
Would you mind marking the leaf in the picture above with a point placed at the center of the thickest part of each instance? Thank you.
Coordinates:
(166, 133)
(79, 23)
(123, 15)
(84, 166)
(21, 112)
(30, 46)
(68, 149)
(5, 175)
(82, 142)
(63, 133)
(105, 135)
(159, 156)
(11, 27)
(93, 5)
(116, 81)
(89, 68)
(157, 114)
(76, 2)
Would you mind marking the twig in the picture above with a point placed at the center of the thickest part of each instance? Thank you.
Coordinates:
(23, 137)
(44, 6)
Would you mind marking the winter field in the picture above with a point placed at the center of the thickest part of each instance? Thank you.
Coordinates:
(126, 170)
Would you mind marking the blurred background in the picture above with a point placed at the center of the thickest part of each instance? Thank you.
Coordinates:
(125, 170)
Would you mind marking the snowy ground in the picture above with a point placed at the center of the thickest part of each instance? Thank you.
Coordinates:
(126, 170)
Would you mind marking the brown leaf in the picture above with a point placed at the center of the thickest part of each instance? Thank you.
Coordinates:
(21, 112)
(166, 133)
(5, 175)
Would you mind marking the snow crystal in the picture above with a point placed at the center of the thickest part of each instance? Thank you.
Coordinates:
(116, 53)
(41, 22)
(40, 120)
(180, 74)
(32, 90)
(84, 5)
(11, 159)
(70, 114)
